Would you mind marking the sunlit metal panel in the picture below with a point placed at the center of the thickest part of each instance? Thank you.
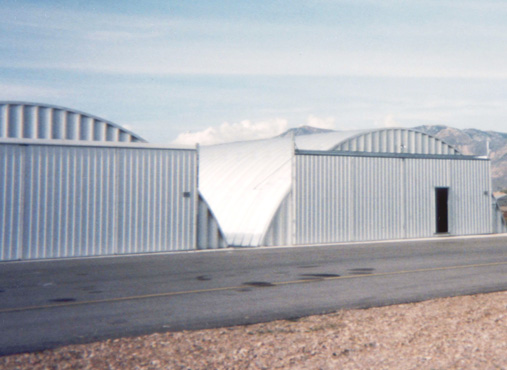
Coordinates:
(157, 200)
(63, 200)
(11, 197)
(356, 198)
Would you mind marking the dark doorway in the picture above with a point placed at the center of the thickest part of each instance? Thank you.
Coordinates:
(442, 198)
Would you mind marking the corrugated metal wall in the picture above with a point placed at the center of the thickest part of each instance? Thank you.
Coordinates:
(62, 200)
(11, 181)
(420, 178)
(345, 198)
(280, 229)
(22, 120)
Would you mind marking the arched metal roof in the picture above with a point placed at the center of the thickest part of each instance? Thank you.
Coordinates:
(388, 140)
(24, 120)
(244, 183)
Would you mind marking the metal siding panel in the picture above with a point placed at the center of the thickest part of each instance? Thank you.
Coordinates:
(322, 197)
(471, 197)
(85, 128)
(378, 199)
(385, 198)
(58, 125)
(44, 123)
(347, 198)
(72, 200)
(11, 201)
(99, 130)
(29, 124)
(72, 128)
(69, 209)
(154, 183)
(14, 121)
(279, 232)
(468, 205)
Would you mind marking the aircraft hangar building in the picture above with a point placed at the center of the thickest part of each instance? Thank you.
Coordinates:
(346, 186)
(75, 185)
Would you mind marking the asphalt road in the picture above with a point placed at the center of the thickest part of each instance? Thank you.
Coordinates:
(44, 304)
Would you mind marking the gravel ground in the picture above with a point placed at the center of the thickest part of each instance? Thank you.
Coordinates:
(451, 333)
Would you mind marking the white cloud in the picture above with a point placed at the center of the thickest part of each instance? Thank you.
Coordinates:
(388, 121)
(229, 132)
(326, 122)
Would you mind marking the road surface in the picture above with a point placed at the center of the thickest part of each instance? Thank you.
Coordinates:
(44, 304)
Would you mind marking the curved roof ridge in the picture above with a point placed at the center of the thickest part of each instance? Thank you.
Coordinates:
(339, 139)
(135, 136)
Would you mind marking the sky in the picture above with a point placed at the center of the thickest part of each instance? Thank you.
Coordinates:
(178, 71)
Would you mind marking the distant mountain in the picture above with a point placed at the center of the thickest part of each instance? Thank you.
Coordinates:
(474, 142)
(468, 142)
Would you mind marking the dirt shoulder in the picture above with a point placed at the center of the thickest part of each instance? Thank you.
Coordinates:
(450, 333)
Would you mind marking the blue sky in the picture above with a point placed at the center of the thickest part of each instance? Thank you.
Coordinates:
(253, 68)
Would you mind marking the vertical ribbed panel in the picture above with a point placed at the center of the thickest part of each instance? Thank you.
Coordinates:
(280, 229)
(156, 198)
(36, 121)
(324, 188)
(342, 198)
(471, 197)
(62, 200)
(377, 207)
(69, 202)
(44, 123)
(348, 198)
(29, 123)
(421, 179)
(209, 235)
(11, 196)
(469, 205)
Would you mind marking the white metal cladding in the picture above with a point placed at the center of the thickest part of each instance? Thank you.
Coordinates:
(244, 184)
(68, 205)
(82, 201)
(471, 197)
(345, 198)
(23, 120)
(157, 200)
(391, 140)
(11, 196)
(421, 178)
